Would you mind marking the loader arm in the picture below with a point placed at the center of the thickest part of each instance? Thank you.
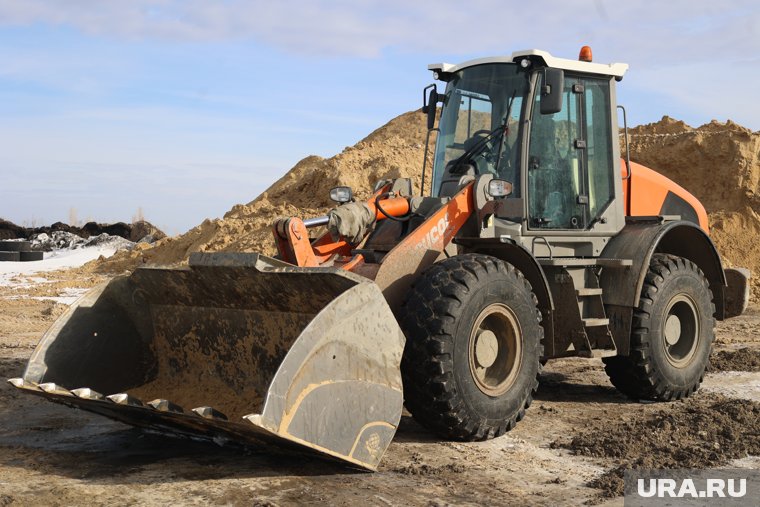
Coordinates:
(295, 246)
(394, 274)
(423, 247)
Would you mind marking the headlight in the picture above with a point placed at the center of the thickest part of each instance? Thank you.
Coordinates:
(499, 188)
(341, 194)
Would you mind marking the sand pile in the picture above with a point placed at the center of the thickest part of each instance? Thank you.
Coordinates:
(392, 151)
(717, 162)
(720, 164)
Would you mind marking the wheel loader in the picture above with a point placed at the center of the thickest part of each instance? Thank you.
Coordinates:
(532, 240)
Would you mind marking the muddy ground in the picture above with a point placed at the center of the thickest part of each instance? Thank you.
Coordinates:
(569, 449)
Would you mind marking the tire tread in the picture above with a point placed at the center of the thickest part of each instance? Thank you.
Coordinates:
(429, 320)
(635, 375)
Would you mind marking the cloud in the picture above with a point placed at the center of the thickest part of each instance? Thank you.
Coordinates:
(366, 28)
(305, 27)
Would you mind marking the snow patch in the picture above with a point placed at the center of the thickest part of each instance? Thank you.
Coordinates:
(62, 240)
(63, 250)
(67, 296)
(734, 384)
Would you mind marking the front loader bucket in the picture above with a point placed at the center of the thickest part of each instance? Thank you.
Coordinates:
(234, 347)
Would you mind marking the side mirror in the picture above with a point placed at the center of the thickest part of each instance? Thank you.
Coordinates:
(551, 91)
(341, 194)
(429, 104)
(499, 188)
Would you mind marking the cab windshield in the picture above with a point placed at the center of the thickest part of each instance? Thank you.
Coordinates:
(474, 121)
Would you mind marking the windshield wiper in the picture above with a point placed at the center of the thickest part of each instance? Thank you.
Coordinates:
(475, 150)
(478, 147)
(506, 130)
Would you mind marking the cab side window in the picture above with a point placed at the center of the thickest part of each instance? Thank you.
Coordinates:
(554, 165)
(570, 167)
(601, 190)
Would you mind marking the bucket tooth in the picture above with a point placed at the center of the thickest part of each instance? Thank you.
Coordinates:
(87, 394)
(162, 405)
(53, 388)
(253, 419)
(23, 384)
(210, 413)
(125, 399)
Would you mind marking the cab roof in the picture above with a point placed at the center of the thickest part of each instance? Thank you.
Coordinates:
(613, 69)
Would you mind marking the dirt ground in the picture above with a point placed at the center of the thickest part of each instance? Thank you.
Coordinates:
(568, 450)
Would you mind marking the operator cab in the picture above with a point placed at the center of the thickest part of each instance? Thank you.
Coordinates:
(546, 125)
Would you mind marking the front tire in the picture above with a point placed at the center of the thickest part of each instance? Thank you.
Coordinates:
(474, 341)
(672, 333)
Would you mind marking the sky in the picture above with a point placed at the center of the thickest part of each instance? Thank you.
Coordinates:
(179, 109)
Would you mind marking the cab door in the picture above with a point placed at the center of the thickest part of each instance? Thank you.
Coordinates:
(570, 170)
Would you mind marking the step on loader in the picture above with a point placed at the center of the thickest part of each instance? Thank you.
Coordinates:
(534, 240)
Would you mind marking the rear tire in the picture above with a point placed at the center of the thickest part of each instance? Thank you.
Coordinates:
(474, 341)
(672, 333)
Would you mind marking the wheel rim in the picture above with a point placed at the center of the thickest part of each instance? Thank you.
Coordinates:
(495, 349)
(681, 330)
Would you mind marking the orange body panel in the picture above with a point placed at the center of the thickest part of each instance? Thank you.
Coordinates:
(422, 247)
(439, 229)
(648, 189)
